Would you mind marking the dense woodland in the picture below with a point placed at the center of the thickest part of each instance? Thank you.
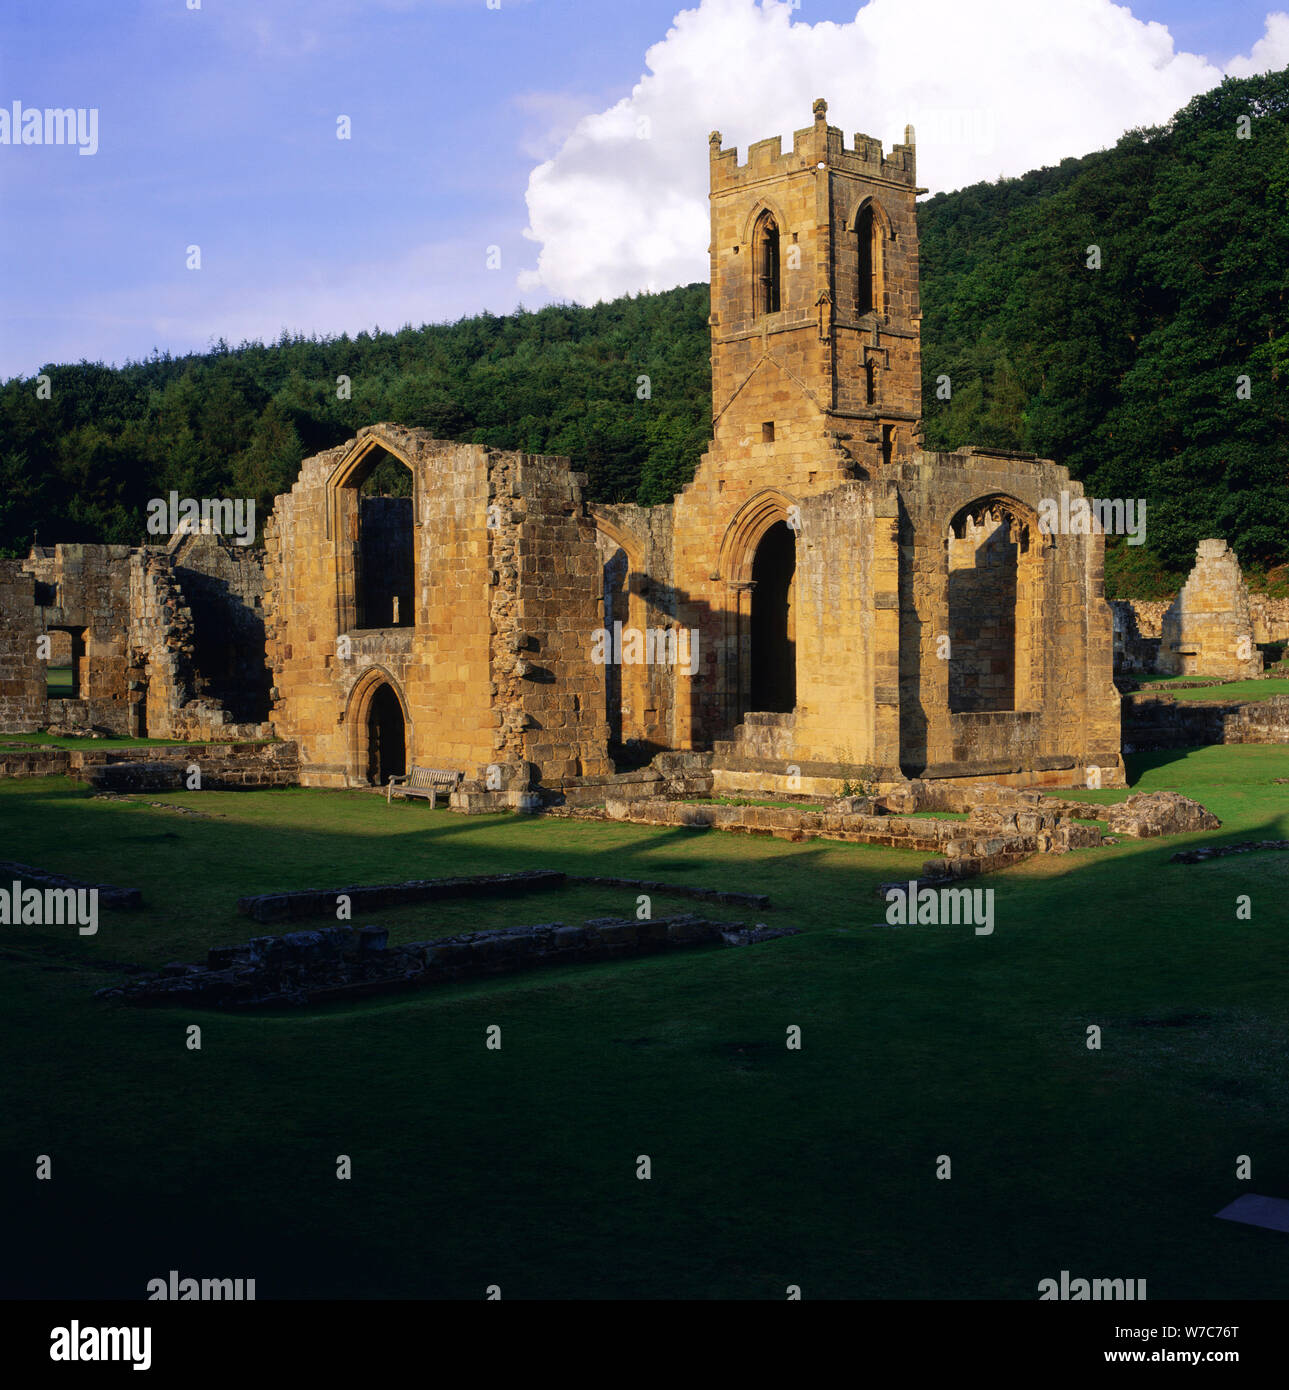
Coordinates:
(1128, 373)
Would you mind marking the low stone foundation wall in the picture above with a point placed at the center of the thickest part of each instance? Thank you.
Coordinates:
(1155, 721)
(676, 890)
(109, 895)
(1198, 856)
(341, 963)
(321, 902)
(1004, 824)
(789, 824)
(21, 760)
(223, 766)
(966, 848)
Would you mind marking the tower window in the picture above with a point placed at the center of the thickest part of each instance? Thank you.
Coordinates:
(767, 432)
(869, 231)
(765, 255)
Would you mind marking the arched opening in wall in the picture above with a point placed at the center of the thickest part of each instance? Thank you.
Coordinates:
(630, 694)
(616, 573)
(994, 579)
(773, 624)
(376, 506)
(386, 737)
(65, 666)
(868, 232)
(766, 265)
(140, 680)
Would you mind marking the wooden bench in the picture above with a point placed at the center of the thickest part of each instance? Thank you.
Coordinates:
(423, 781)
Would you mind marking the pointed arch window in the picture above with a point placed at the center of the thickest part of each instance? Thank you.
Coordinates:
(868, 231)
(766, 264)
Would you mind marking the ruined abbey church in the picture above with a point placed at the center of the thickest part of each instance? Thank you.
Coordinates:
(825, 604)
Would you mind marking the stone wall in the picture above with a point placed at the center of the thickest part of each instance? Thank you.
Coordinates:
(640, 696)
(22, 674)
(1152, 721)
(550, 705)
(995, 836)
(1208, 629)
(141, 662)
(495, 679)
(169, 694)
(223, 766)
(1136, 633)
(86, 588)
(374, 897)
(1138, 625)
(1065, 710)
(1270, 618)
(223, 585)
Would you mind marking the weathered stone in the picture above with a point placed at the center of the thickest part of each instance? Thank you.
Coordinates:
(1208, 631)
(1159, 813)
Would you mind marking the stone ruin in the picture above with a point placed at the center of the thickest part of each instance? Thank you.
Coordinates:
(825, 602)
(162, 641)
(1209, 629)
(337, 963)
(1004, 824)
(826, 605)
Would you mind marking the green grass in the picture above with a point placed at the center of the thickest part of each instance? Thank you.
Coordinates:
(770, 1166)
(1231, 690)
(58, 682)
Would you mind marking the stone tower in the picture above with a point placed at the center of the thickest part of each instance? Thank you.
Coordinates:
(815, 315)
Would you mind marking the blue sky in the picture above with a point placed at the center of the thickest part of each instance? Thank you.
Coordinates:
(217, 128)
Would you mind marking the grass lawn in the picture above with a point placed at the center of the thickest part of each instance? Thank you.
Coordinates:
(1231, 690)
(770, 1167)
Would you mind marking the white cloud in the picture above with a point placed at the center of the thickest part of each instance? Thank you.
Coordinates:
(993, 87)
(1269, 53)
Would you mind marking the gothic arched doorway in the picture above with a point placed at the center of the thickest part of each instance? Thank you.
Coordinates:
(773, 626)
(386, 737)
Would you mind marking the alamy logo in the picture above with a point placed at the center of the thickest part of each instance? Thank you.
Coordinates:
(49, 907)
(77, 1343)
(219, 516)
(1084, 516)
(655, 646)
(50, 125)
(1077, 1289)
(180, 1290)
(941, 907)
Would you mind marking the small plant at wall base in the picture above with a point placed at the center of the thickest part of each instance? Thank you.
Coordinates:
(856, 779)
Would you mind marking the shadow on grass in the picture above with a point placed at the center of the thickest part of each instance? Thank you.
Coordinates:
(771, 1166)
